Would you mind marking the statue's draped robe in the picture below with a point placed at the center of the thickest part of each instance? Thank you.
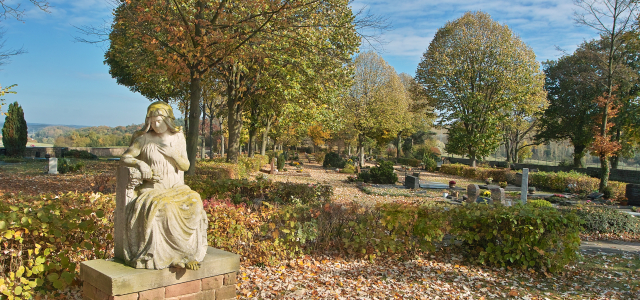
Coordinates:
(166, 222)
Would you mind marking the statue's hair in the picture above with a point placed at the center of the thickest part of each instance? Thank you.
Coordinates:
(158, 108)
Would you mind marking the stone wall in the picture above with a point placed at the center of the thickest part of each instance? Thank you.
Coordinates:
(34, 152)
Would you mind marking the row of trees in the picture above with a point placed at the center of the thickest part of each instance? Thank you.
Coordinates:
(254, 61)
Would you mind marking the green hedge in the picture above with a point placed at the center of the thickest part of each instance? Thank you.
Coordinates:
(580, 183)
(549, 181)
(600, 219)
(518, 235)
(479, 173)
(412, 162)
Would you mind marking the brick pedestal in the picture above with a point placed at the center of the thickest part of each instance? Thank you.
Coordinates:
(109, 280)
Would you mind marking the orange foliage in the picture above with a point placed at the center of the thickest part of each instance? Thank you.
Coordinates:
(603, 146)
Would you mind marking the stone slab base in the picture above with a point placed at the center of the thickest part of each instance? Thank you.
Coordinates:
(110, 280)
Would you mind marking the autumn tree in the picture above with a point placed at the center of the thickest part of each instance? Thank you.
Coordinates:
(571, 86)
(14, 131)
(478, 72)
(612, 19)
(419, 117)
(190, 38)
(376, 105)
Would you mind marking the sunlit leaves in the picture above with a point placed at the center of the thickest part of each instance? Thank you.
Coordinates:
(478, 72)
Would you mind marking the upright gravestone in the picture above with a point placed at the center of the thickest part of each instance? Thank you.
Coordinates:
(498, 196)
(53, 165)
(473, 191)
(273, 165)
(524, 188)
(411, 182)
(633, 194)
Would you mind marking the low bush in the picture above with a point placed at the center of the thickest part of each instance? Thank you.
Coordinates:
(519, 235)
(412, 162)
(573, 182)
(80, 154)
(600, 219)
(429, 162)
(9, 159)
(382, 174)
(320, 156)
(244, 191)
(253, 164)
(43, 238)
(539, 203)
(348, 169)
(215, 169)
(333, 160)
(66, 166)
(479, 172)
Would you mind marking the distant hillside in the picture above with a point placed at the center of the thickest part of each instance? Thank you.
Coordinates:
(35, 127)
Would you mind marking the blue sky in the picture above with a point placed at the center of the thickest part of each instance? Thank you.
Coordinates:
(61, 81)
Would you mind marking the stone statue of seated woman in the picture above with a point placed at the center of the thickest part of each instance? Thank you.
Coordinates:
(160, 221)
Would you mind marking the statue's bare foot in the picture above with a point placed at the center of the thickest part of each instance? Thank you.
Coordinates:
(193, 265)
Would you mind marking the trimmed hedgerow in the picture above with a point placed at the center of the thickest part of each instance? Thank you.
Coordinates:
(601, 219)
(518, 235)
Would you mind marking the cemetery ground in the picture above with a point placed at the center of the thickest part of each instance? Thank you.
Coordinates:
(326, 272)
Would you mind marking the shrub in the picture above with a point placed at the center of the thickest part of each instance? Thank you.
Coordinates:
(517, 235)
(538, 203)
(212, 170)
(572, 181)
(244, 191)
(80, 154)
(429, 162)
(385, 229)
(65, 166)
(479, 173)
(409, 162)
(44, 237)
(382, 174)
(607, 192)
(253, 164)
(333, 160)
(281, 161)
(320, 156)
(348, 169)
(12, 159)
(607, 220)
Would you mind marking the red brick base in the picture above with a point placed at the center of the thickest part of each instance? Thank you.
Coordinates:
(211, 288)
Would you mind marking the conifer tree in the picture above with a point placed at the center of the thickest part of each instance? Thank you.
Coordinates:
(14, 131)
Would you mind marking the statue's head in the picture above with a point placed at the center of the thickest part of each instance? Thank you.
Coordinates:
(163, 109)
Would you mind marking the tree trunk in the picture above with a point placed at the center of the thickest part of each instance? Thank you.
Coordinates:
(361, 151)
(194, 120)
(204, 150)
(604, 176)
(265, 138)
(578, 155)
(222, 142)
(211, 148)
(234, 121)
(399, 142)
(252, 137)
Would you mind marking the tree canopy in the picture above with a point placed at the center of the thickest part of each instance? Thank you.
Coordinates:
(477, 72)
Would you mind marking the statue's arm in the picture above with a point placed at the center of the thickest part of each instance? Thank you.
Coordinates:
(181, 158)
(128, 159)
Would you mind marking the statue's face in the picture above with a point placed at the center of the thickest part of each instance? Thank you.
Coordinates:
(158, 124)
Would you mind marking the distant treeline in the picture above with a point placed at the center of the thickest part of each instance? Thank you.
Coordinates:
(100, 136)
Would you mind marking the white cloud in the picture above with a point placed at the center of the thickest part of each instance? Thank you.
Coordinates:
(543, 25)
